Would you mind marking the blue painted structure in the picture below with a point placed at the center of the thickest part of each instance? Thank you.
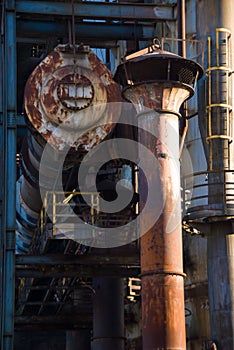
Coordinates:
(9, 174)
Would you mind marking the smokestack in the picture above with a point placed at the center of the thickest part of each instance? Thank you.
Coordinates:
(157, 83)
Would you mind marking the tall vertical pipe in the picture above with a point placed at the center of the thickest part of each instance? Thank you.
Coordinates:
(154, 84)
(10, 175)
(214, 19)
(161, 250)
(181, 28)
(1, 190)
(108, 314)
(163, 321)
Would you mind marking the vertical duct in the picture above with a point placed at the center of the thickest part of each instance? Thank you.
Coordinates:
(158, 83)
(108, 314)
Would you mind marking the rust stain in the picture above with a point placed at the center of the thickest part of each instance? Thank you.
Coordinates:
(51, 63)
(55, 93)
(113, 93)
(97, 66)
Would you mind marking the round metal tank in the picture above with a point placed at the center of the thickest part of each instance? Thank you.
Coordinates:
(71, 92)
(70, 105)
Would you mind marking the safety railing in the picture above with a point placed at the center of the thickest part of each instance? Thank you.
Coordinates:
(63, 212)
(66, 217)
(219, 90)
(208, 193)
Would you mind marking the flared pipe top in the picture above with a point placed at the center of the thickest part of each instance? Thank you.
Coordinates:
(158, 65)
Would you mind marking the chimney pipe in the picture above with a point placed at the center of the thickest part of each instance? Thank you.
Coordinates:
(158, 83)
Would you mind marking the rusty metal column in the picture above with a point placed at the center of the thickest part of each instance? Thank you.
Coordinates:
(108, 314)
(163, 318)
(157, 83)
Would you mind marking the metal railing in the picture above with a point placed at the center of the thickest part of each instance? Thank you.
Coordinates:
(57, 210)
(66, 217)
(208, 193)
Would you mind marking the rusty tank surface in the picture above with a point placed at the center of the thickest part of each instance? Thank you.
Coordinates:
(68, 96)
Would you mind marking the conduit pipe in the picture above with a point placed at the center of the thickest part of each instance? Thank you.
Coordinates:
(158, 83)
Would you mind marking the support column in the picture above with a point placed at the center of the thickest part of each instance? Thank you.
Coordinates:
(1, 193)
(9, 126)
(78, 339)
(220, 263)
(108, 314)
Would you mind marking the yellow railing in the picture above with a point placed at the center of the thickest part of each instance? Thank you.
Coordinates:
(57, 209)
(219, 90)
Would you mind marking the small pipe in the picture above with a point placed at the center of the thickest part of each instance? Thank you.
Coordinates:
(183, 137)
(181, 27)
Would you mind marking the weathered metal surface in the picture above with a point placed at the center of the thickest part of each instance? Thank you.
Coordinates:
(157, 84)
(220, 264)
(157, 65)
(93, 259)
(67, 97)
(158, 96)
(87, 30)
(196, 291)
(98, 10)
(163, 322)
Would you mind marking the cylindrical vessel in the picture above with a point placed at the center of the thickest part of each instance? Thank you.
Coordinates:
(161, 247)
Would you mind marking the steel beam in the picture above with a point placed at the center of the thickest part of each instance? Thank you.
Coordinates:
(60, 321)
(75, 271)
(9, 123)
(91, 30)
(78, 260)
(98, 10)
(56, 266)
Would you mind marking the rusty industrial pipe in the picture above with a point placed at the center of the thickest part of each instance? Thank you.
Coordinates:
(158, 83)
(67, 100)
